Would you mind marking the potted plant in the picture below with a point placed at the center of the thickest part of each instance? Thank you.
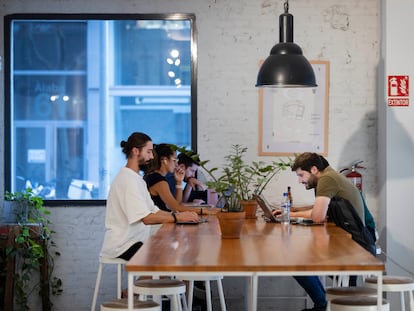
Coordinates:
(244, 179)
(31, 250)
(250, 179)
(239, 180)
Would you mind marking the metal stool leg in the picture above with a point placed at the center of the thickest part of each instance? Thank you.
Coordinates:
(208, 295)
(190, 294)
(97, 284)
(221, 295)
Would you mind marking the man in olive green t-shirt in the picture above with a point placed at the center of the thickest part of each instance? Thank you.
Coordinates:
(332, 191)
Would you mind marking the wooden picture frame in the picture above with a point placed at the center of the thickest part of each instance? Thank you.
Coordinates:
(295, 120)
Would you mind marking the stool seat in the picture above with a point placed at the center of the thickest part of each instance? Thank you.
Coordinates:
(392, 283)
(338, 292)
(159, 283)
(122, 304)
(358, 303)
(351, 291)
(163, 287)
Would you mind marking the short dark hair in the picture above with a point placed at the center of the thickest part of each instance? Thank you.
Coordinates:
(188, 159)
(306, 160)
(135, 140)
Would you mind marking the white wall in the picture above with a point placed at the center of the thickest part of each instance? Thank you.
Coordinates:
(233, 35)
(397, 139)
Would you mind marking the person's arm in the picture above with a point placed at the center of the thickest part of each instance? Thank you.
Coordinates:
(161, 188)
(178, 177)
(166, 217)
(318, 212)
(187, 192)
(191, 185)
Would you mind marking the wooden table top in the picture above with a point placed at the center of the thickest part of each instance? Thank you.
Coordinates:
(262, 247)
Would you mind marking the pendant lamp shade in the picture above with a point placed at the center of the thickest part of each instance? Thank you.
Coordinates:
(286, 66)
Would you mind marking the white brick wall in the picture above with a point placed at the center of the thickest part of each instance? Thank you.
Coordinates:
(233, 35)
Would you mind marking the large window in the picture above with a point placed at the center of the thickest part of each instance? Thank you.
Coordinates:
(76, 85)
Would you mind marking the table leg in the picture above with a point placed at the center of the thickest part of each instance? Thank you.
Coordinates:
(248, 294)
(255, 285)
(251, 292)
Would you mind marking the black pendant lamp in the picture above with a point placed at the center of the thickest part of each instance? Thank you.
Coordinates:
(286, 66)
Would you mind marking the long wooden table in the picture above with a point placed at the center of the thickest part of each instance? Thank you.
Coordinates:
(264, 249)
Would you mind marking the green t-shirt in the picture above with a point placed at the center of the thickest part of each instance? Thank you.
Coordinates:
(333, 184)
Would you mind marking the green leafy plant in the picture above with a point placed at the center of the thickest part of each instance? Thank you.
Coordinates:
(32, 249)
(239, 180)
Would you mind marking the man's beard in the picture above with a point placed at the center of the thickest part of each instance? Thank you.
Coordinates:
(143, 162)
(312, 182)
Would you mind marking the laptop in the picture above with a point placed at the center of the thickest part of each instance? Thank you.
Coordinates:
(267, 210)
(266, 207)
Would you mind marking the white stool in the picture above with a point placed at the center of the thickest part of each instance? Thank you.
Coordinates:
(163, 287)
(358, 303)
(340, 292)
(395, 284)
(206, 280)
(114, 261)
(122, 304)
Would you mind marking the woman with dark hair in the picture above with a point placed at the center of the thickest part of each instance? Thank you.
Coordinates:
(129, 208)
(164, 162)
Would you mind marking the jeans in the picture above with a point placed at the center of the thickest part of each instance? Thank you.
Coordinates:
(314, 288)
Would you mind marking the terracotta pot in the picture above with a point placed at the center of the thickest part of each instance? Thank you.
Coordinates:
(231, 224)
(250, 207)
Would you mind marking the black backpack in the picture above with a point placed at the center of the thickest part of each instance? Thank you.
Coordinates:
(344, 215)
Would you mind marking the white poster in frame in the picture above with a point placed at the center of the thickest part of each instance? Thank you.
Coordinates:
(295, 120)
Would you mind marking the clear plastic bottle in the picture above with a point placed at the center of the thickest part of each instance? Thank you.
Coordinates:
(285, 209)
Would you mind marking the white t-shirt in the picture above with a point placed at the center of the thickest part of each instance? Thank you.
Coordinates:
(128, 202)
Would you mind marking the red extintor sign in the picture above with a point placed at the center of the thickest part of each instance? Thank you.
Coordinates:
(398, 90)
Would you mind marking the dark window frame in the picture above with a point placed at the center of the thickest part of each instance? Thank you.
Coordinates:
(8, 19)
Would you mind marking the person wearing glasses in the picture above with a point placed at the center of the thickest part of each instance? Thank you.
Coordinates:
(194, 190)
(164, 162)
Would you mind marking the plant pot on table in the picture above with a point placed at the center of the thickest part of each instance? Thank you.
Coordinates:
(250, 207)
(231, 224)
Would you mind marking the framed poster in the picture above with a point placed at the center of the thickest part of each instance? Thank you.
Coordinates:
(295, 120)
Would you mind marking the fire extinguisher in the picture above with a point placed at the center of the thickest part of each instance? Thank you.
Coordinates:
(354, 176)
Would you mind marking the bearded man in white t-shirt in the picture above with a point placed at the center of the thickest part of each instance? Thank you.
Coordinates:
(129, 208)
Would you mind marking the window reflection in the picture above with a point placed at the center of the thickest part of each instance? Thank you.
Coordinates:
(78, 87)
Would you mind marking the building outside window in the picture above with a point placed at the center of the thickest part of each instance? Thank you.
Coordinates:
(76, 87)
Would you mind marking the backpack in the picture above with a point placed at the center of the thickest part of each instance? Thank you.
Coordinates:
(369, 220)
(344, 215)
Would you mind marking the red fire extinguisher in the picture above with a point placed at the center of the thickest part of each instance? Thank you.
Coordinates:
(354, 176)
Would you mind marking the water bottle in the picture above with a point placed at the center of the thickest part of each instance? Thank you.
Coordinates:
(285, 209)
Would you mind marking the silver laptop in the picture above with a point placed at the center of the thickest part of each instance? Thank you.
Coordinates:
(267, 210)
(266, 207)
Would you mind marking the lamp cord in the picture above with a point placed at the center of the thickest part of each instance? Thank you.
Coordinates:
(286, 6)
